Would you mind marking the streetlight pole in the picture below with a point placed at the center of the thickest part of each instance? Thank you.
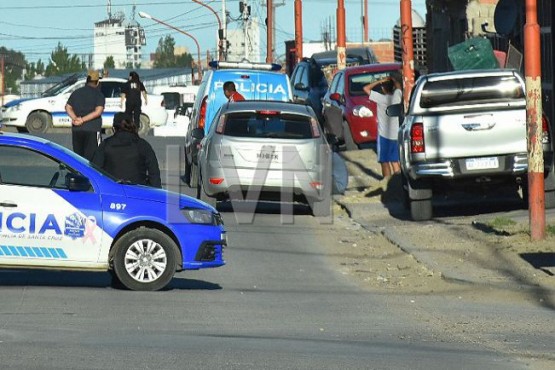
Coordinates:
(221, 36)
(199, 67)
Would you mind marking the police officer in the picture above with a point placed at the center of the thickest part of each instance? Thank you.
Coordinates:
(85, 106)
(128, 157)
(131, 94)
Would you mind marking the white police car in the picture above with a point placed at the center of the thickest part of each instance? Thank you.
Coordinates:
(57, 211)
(38, 115)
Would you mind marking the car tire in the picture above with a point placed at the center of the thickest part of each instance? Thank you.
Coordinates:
(145, 259)
(38, 123)
(348, 137)
(421, 210)
(144, 126)
(405, 195)
(193, 176)
(420, 199)
(201, 194)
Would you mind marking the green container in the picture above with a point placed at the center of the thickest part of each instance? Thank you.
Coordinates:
(475, 53)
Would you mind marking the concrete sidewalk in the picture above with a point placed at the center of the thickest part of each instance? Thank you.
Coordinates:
(463, 246)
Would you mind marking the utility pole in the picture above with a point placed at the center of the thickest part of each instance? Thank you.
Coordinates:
(341, 39)
(298, 30)
(408, 50)
(245, 11)
(224, 30)
(365, 23)
(532, 70)
(269, 31)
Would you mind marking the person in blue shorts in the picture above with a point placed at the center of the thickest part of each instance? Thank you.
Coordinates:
(384, 93)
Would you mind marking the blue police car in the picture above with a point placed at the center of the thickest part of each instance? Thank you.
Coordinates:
(58, 211)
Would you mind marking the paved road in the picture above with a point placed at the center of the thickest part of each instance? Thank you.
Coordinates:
(279, 303)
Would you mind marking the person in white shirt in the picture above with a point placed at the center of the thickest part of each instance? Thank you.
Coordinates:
(388, 152)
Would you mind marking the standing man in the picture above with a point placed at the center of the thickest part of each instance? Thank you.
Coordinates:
(231, 93)
(85, 106)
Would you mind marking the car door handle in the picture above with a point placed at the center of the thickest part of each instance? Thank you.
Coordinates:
(8, 205)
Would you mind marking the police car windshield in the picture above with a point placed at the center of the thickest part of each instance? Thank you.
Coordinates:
(81, 159)
(56, 89)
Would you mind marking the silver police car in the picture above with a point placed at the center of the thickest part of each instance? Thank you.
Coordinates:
(265, 150)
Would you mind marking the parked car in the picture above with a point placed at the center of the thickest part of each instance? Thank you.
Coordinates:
(38, 115)
(273, 148)
(311, 76)
(466, 130)
(178, 101)
(255, 81)
(57, 211)
(343, 117)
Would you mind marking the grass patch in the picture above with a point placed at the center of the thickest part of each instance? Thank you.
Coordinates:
(501, 223)
(550, 230)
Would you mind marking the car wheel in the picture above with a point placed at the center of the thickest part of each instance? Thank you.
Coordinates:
(145, 259)
(348, 137)
(405, 190)
(193, 176)
(144, 126)
(38, 123)
(421, 210)
(201, 194)
(420, 199)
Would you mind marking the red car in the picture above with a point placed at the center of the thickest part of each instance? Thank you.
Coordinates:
(348, 113)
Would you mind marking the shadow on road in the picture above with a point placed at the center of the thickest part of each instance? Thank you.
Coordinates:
(84, 279)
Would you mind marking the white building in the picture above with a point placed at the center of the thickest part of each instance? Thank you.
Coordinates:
(120, 39)
(244, 44)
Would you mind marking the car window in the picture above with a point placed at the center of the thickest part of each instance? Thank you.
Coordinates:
(333, 86)
(341, 84)
(303, 76)
(111, 89)
(21, 166)
(171, 100)
(276, 126)
(358, 81)
(480, 89)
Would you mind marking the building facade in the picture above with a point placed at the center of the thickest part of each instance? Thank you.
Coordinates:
(244, 43)
(120, 39)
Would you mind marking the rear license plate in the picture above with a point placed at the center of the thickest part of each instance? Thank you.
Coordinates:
(482, 163)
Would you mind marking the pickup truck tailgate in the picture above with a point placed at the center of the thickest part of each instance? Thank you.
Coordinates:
(475, 134)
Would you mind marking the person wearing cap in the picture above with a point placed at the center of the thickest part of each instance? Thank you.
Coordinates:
(131, 95)
(126, 156)
(231, 93)
(85, 106)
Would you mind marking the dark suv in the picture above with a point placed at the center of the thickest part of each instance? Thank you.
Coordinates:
(310, 78)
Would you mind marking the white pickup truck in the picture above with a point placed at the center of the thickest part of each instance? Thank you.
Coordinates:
(38, 115)
(466, 130)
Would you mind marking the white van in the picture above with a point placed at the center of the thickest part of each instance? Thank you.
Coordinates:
(179, 102)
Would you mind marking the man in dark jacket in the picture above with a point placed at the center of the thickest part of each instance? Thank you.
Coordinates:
(128, 157)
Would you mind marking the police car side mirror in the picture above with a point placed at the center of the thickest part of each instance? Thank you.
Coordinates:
(300, 86)
(197, 133)
(76, 182)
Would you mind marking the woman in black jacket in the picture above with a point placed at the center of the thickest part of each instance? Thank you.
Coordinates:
(128, 157)
(131, 94)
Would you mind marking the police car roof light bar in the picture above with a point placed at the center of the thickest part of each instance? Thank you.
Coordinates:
(245, 65)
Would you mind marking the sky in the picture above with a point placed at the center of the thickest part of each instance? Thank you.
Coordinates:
(35, 27)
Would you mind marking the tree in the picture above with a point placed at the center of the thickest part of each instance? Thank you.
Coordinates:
(61, 62)
(165, 55)
(14, 63)
(109, 63)
(34, 69)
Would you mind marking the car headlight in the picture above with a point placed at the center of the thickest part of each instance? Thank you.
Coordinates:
(200, 216)
(362, 111)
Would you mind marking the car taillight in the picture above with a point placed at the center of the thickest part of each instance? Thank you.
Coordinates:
(546, 134)
(417, 138)
(202, 115)
(221, 125)
(315, 127)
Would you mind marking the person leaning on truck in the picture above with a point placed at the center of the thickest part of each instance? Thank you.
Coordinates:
(85, 106)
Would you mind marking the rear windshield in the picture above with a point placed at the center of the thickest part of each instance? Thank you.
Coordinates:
(357, 82)
(277, 126)
(486, 89)
(171, 100)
